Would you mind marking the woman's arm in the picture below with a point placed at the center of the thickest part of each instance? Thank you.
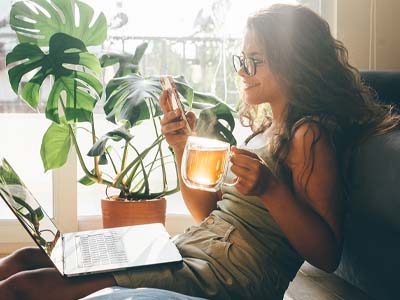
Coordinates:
(310, 216)
(200, 203)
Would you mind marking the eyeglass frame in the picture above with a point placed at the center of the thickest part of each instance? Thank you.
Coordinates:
(242, 59)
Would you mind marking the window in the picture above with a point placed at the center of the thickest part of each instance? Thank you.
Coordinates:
(195, 39)
(197, 44)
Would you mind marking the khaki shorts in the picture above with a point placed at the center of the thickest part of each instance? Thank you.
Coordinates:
(218, 263)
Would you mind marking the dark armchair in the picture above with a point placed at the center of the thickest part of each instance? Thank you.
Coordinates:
(371, 253)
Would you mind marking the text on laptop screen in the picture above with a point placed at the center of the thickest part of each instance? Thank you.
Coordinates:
(27, 209)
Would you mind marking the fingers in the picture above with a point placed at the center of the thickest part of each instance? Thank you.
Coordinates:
(237, 150)
(245, 161)
(165, 102)
(171, 116)
(191, 117)
(173, 127)
(251, 170)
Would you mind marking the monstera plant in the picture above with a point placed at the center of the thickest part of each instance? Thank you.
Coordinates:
(54, 36)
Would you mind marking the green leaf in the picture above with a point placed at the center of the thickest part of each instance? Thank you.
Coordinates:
(99, 148)
(103, 159)
(39, 213)
(9, 177)
(55, 147)
(35, 21)
(82, 89)
(128, 63)
(208, 99)
(86, 180)
(184, 89)
(209, 123)
(126, 98)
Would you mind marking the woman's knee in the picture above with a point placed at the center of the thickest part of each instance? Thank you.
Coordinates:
(31, 258)
(26, 254)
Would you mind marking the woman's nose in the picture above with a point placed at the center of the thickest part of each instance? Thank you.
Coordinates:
(241, 72)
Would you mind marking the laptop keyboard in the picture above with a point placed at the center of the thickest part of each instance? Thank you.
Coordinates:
(100, 249)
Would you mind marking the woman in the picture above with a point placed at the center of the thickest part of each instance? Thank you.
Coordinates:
(287, 204)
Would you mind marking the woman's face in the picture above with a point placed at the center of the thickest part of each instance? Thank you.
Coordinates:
(263, 86)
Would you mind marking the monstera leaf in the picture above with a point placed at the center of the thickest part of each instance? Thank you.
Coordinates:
(55, 147)
(128, 63)
(211, 123)
(81, 88)
(126, 98)
(99, 148)
(35, 21)
(216, 119)
(126, 101)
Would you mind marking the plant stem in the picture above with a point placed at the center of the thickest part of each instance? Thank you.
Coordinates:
(96, 158)
(164, 173)
(124, 156)
(131, 176)
(121, 175)
(79, 154)
(108, 154)
(112, 162)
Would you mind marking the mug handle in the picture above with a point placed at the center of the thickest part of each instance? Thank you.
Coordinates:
(228, 167)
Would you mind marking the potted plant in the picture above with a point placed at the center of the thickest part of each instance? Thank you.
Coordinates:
(53, 43)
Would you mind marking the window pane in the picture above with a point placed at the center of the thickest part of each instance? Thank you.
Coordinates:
(21, 135)
(21, 129)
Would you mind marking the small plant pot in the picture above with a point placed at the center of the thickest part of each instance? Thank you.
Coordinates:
(118, 212)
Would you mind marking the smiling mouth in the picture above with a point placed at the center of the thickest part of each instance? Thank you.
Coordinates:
(249, 85)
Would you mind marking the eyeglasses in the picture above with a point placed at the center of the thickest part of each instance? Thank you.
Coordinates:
(248, 64)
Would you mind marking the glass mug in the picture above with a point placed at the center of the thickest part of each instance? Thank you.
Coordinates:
(205, 163)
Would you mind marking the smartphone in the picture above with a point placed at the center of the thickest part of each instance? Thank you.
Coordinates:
(167, 83)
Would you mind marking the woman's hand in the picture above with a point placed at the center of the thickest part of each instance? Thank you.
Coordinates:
(172, 125)
(200, 203)
(254, 177)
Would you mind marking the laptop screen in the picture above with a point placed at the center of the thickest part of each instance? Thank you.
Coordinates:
(28, 211)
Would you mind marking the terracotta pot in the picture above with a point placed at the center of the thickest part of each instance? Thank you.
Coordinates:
(118, 212)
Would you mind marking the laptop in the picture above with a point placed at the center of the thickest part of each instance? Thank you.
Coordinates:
(85, 252)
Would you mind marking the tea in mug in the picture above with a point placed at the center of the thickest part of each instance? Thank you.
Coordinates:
(205, 163)
(206, 167)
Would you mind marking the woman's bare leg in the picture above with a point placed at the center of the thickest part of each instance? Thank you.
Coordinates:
(23, 259)
(49, 284)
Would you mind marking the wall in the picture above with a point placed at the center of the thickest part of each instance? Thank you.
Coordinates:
(369, 30)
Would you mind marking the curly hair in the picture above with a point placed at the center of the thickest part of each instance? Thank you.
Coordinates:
(319, 83)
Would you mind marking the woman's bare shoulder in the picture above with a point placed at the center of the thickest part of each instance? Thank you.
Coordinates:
(308, 139)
